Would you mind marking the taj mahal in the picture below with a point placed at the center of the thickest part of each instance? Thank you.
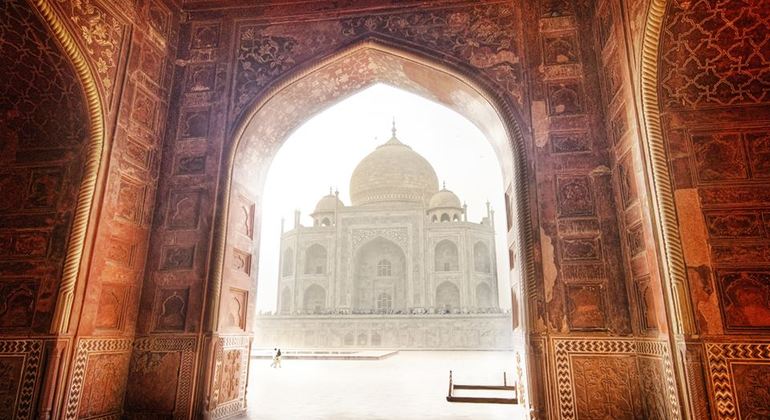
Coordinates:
(401, 266)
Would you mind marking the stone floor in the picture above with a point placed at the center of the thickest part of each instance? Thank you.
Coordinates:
(409, 385)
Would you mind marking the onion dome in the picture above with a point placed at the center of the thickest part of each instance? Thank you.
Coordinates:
(444, 199)
(393, 173)
(328, 204)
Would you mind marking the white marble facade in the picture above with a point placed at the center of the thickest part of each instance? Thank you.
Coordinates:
(401, 248)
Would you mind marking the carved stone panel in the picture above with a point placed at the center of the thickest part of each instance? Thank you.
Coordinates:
(204, 35)
(719, 157)
(581, 249)
(569, 142)
(103, 385)
(11, 369)
(560, 49)
(111, 308)
(751, 389)
(194, 124)
(191, 165)
(586, 307)
(605, 387)
(758, 146)
(735, 224)
(574, 196)
(231, 375)
(177, 257)
(18, 299)
(237, 305)
(565, 98)
(653, 388)
(745, 298)
(170, 309)
(241, 261)
(155, 378)
(130, 201)
(183, 209)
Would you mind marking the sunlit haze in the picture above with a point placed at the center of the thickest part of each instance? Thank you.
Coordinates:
(322, 154)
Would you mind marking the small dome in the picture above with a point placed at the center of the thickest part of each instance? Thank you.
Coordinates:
(444, 199)
(393, 173)
(328, 204)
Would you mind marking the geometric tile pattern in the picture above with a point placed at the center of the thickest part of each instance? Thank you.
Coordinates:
(31, 351)
(720, 356)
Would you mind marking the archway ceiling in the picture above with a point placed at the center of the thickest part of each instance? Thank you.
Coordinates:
(362, 67)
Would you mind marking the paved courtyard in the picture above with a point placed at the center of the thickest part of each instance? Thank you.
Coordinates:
(409, 385)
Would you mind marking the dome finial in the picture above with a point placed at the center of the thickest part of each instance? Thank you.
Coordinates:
(393, 127)
(443, 184)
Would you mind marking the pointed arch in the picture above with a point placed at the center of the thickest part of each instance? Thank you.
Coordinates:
(80, 230)
(492, 112)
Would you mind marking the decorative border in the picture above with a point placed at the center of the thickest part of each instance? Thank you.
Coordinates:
(566, 347)
(31, 351)
(666, 222)
(719, 356)
(86, 192)
(85, 348)
(185, 345)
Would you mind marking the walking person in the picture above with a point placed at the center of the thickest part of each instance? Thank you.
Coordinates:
(275, 358)
(278, 358)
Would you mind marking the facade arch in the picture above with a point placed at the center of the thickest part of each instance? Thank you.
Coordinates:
(482, 260)
(447, 297)
(484, 296)
(446, 256)
(316, 259)
(287, 263)
(314, 299)
(286, 301)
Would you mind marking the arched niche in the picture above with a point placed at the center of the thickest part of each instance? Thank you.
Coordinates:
(482, 262)
(315, 259)
(446, 256)
(379, 269)
(314, 299)
(447, 297)
(484, 296)
(285, 305)
(287, 262)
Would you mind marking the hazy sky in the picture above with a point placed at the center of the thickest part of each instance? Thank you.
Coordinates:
(323, 152)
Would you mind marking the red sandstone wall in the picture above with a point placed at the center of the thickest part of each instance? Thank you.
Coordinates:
(43, 133)
(715, 89)
(596, 311)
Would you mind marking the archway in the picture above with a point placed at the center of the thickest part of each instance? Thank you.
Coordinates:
(483, 296)
(379, 282)
(314, 300)
(481, 258)
(315, 259)
(446, 257)
(447, 297)
(262, 132)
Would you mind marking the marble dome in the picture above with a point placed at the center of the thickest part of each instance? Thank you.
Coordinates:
(393, 173)
(444, 199)
(328, 204)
